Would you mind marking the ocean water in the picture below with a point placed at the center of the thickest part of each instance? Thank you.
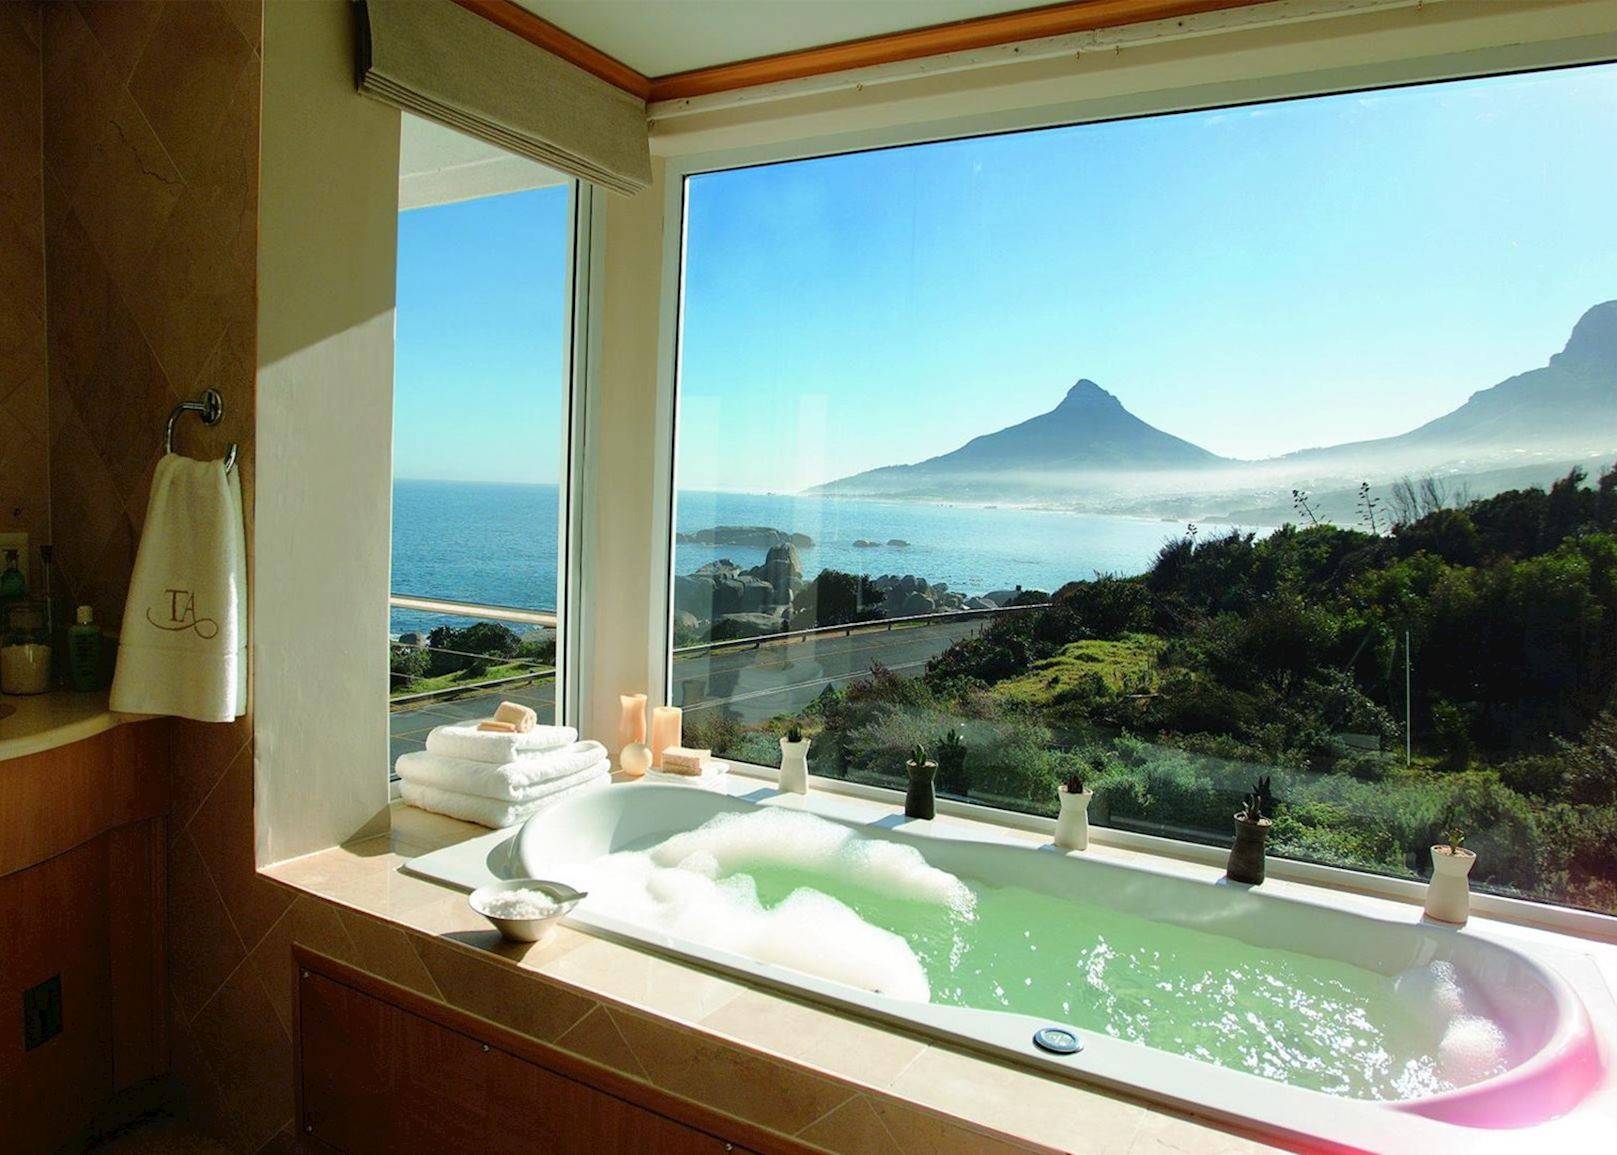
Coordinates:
(496, 543)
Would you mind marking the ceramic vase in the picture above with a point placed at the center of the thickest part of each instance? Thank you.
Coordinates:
(1448, 895)
(794, 766)
(1247, 855)
(1072, 826)
(920, 800)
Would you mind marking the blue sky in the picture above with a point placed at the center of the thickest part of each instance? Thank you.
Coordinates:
(482, 314)
(1256, 280)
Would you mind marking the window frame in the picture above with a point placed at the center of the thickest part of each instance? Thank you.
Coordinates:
(582, 261)
(1326, 79)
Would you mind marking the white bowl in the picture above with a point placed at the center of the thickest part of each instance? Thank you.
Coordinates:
(527, 929)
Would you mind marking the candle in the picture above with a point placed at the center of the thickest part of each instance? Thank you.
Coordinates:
(632, 719)
(665, 732)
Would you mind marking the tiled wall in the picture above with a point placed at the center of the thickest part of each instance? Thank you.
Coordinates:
(24, 418)
(150, 116)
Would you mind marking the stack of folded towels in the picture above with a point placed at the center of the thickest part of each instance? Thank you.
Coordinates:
(500, 770)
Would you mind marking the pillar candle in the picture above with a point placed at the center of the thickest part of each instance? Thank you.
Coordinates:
(632, 720)
(665, 731)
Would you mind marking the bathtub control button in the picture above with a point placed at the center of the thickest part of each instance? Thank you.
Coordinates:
(1057, 1040)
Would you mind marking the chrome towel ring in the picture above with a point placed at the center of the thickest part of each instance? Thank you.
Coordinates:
(211, 407)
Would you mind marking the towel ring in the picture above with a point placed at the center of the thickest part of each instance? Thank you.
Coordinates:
(210, 407)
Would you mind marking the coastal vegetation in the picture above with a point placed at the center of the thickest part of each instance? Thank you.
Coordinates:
(1449, 663)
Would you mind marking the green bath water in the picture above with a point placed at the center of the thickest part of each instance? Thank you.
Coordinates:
(1285, 1016)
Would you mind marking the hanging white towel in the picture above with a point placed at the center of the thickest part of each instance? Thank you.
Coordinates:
(183, 650)
(465, 740)
(521, 780)
(492, 811)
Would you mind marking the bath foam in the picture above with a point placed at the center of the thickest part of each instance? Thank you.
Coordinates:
(1470, 1045)
(787, 838)
(807, 931)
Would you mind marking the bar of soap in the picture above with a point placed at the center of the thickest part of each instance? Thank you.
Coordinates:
(684, 760)
(522, 718)
(497, 727)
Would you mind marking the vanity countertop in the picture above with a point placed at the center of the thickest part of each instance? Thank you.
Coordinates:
(36, 722)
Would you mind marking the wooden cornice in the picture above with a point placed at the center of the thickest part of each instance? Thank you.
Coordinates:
(888, 48)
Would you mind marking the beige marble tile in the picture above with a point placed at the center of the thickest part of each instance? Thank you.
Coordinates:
(1009, 1100)
(499, 991)
(199, 41)
(642, 979)
(203, 946)
(122, 28)
(851, 1049)
(250, 1053)
(919, 1132)
(220, 833)
(851, 1129)
(597, 1037)
(124, 194)
(726, 1077)
(201, 751)
(81, 88)
(385, 952)
(310, 923)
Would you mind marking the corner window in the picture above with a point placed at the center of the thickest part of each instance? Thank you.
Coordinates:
(1169, 453)
(479, 443)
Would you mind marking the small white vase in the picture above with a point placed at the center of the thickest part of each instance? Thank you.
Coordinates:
(794, 766)
(1448, 895)
(1072, 827)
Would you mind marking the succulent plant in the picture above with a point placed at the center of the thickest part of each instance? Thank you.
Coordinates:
(1260, 803)
(794, 733)
(918, 755)
(1075, 782)
(1454, 839)
(951, 742)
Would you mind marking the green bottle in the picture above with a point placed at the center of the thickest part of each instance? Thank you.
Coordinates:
(84, 650)
(12, 583)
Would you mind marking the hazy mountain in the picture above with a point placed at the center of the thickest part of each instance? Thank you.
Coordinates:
(1566, 409)
(1081, 443)
(1090, 449)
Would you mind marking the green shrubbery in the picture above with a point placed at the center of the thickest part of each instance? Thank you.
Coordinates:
(1234, 656)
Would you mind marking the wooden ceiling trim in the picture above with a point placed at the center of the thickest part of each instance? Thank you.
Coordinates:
(889, 48)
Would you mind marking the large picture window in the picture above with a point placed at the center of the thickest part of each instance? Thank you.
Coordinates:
(484, 313)
(1168, 453)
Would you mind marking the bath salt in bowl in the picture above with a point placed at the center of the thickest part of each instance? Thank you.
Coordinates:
(525, 909)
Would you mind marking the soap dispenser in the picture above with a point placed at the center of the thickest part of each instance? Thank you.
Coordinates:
(84, 650)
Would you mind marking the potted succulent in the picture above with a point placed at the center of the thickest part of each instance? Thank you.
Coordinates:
(1072, 826)
(1448, 895)
(919, 800)
(952, 777)
(1252, 824)
(794, 761)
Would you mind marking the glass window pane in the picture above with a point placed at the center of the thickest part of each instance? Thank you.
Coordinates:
(483, 319)
(1173, 452)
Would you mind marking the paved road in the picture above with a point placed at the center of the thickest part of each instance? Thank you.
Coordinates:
(751, 685)
(754, 685)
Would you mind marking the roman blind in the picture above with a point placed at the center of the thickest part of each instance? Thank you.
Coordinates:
(436, 59)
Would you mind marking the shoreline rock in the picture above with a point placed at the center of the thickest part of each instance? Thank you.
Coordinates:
(752, 536)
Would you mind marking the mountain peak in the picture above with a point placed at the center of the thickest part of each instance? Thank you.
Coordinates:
(1086, 392)
(1593, 341)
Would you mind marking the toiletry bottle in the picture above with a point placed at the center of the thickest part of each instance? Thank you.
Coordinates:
(84, 650)
(12, 583)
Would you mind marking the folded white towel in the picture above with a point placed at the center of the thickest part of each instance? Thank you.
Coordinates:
(183, 649)
(465, 740)
(519, 781)
(492, 811)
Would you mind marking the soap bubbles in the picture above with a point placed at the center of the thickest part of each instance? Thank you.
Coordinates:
(682, 887)
(1470, 1046)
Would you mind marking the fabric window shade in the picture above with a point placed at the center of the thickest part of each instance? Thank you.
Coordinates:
(436, 59)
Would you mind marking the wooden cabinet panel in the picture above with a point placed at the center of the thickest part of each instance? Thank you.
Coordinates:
(378, 1078)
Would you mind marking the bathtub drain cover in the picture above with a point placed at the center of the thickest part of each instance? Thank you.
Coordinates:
(1057, 1040)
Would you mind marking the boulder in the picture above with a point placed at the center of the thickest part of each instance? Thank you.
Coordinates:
(979, 603)
(694, 593)
(731, 627)
(912, 604)
(752, 536)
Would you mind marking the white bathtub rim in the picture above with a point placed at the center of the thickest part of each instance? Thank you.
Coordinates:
(1246, 1100)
